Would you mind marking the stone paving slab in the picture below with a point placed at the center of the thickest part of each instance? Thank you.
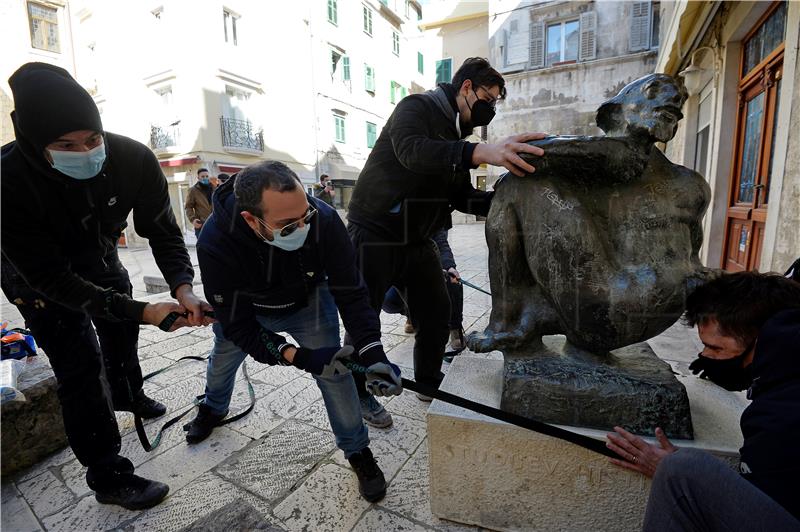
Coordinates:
(201, 497)
(16, 513)
(328, 498)
(273, 465)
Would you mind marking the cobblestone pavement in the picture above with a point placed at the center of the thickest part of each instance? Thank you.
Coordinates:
(279, 463)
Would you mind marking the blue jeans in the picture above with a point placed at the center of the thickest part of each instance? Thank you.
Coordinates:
(315, 326)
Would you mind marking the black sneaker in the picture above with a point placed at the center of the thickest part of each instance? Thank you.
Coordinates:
(202, 425)
(132, 492)
(371, 482)
(147, 408)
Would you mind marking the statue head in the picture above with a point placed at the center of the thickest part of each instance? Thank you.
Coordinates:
(649, 108)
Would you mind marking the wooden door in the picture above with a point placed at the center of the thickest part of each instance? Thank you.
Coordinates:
(761, 72)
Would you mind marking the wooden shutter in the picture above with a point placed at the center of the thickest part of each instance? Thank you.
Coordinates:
(588, 30)
(640, 26)
(536, 50)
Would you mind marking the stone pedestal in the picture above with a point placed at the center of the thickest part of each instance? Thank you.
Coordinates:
(488, 473)
(565, 385)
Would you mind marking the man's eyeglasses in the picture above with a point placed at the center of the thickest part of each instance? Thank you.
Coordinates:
(492, 103)
(288, 229)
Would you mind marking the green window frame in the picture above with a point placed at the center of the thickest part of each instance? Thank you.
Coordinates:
(444, 70)
(367, 20)
(420, 63)
(372, 134)
(333, 12)
(346, 68)
(339, 126)
(369, 78)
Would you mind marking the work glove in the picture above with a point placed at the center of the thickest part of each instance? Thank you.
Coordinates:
(382, 377)
(326, 361)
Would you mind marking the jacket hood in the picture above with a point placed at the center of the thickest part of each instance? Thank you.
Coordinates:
(48, 103)
(780, 337)
(445, 97)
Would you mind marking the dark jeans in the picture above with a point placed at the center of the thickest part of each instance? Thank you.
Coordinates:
(93, 376)
(415, 271)
(393, 303)
(456, 295)
(693, 490)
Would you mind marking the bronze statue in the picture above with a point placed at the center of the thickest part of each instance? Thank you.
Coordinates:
(601, 245)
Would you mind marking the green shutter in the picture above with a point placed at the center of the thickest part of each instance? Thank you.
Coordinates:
(369, 78)
(444, 72)
(420, 63)
(332, 14)
(372, 134)
(346, 68)
(339, 124)
(403, 92)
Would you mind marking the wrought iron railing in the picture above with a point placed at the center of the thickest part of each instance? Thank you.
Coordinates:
(241, 134)
(164, 137)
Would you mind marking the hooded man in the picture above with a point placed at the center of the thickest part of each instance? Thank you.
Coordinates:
(416, 174)
(67, 189)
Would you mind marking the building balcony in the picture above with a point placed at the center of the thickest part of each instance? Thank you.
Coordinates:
(241, 136)
(165, 139)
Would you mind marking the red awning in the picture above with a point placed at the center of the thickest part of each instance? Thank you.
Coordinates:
(178, 162)
(229, 169)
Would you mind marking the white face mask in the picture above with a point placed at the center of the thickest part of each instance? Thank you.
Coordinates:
(80, 165)
(291, 242)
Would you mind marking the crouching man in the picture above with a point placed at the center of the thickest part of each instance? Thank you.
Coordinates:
(274, 260)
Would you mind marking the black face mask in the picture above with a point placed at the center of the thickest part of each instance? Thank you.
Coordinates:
(481, 112)
(727, 373)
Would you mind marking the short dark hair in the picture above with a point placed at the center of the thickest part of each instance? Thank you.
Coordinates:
(252, 181)
(203, 170)
(480, 72)
(742, 302)
(222, 176)
(323, 176)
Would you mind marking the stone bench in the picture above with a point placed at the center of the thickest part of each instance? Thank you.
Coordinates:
(34, 428)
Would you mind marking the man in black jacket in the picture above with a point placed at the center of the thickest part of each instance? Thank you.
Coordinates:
(750, 326)
(275, 259)
(67, 189)
(417, 173)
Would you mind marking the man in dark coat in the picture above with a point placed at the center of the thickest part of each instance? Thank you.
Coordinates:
(67, 189)
(416, 174)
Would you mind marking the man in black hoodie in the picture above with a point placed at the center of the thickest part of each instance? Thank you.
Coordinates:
(417, 173)
(67, 189)
(750, 326)
(274, 259)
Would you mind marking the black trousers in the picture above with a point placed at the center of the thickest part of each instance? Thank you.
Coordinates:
(415, 270)
(92, 376)
(456, 293)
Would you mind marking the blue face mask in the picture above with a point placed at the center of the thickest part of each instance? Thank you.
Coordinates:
(203, 180)
(79, 164)
(291, 242)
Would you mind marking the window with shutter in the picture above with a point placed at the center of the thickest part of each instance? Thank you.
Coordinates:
(346, 68)
(420, 63)
(444, 71)
(588, 44)
(369, 78)
(640, 26)
(536, 50)
(372, 134)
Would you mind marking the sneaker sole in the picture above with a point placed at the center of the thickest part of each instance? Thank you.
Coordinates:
(379, 425)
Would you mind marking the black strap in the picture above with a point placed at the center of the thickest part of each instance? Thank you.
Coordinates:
(168, 321)
(139, 424)
(531, 424)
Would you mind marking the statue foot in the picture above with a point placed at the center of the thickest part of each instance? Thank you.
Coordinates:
(486, 341)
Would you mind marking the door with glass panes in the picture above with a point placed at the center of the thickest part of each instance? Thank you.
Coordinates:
(761, 71)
